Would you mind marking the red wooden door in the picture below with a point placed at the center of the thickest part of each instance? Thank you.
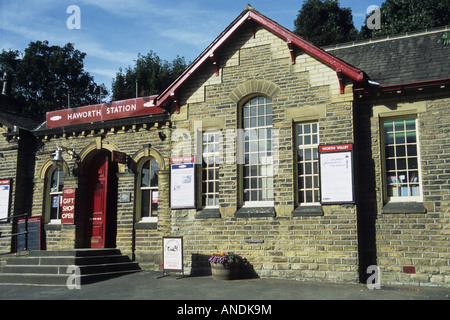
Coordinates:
(98, 200)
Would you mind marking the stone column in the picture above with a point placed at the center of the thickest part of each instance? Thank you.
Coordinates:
(125, 213)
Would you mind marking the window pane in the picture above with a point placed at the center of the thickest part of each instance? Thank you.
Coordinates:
(154, 174)
(210, 168)
(308, 162)
(145, 203)
(401, 159)
(145, 174)
(257, 124)
(154, 204)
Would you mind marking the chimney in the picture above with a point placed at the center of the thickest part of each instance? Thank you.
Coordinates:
(6, 84)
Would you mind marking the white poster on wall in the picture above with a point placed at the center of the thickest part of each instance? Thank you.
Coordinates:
(336, 174)
(182, 183)
(5, 194)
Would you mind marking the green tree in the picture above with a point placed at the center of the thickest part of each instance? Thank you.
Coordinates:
(400, 16)
(324, 22)
(44, 78)
(152, 75)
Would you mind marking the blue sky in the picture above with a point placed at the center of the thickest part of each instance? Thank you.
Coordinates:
(113, 32)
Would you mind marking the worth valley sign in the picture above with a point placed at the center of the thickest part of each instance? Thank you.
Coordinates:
(103, 112)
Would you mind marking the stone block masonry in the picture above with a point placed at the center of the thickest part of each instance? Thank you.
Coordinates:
(304, 247)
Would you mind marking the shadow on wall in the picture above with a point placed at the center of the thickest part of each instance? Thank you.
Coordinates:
(201, 267)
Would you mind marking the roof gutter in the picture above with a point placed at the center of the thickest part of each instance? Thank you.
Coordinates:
(441, 83)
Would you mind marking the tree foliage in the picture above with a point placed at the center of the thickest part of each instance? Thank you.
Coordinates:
(400, 16)
(324, 22)
(44, 76)
(152, 75)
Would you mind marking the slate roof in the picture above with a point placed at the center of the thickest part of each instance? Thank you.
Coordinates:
(399, 59)
(10, 118)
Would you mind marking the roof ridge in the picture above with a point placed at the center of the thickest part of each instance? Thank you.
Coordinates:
(397, 36)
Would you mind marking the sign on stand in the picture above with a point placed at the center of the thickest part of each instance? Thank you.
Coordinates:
(336, 174)
(172, 254)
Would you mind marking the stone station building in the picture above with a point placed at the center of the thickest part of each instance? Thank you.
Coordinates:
(257, 113)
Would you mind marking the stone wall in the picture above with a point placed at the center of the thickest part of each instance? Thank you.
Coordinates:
(304, 247)
(409, 247)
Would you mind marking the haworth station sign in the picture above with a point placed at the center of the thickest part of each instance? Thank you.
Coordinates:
(103, 112)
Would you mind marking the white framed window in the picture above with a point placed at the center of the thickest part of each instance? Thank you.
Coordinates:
(149, 190)
(402, 160)
(210, 169)
(308, 182)
(55, 194)
(258, 154)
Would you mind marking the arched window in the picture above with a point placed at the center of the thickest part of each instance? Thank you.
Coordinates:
(149, 189)
(258, 153)
(54, 198)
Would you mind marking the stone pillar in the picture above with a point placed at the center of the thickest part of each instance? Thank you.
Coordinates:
(164, 213)
(125, 213)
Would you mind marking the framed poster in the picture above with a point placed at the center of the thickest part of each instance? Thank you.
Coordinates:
(173, 254)
(336, 174)
(182, 183)
(5, 195)
(33, 238)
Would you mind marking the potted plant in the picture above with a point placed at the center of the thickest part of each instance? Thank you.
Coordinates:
(225, 265)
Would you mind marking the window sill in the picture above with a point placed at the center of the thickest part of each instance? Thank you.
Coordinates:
(52, 227)
(403, 207)
(255, 212)
(145, 225)
(208, 213)
(307, 211)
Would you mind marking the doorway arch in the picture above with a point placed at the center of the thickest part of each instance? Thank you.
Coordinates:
(98, 180)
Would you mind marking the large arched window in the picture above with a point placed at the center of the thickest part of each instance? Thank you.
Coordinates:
(148, 177)
(258, 153)
(54, 195)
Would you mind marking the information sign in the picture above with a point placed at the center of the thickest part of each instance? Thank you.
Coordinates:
(33, 236)
(5, 195)
(68, 206)
(182, 183)
(336, 174)
(173, 254)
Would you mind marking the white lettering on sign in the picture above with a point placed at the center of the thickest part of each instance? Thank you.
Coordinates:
(84, 114)
(118, 109)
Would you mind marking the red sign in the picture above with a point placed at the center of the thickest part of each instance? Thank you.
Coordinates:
(103, 112)
(336, 148)
(119, 157)
(68, 206)
(188, 159)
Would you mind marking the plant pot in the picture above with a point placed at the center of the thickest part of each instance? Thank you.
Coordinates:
(221, 272)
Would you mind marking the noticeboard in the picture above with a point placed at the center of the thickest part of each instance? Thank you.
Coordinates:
(336, 174)
(34, 234)
(182, 183)
(173, 254)
(5, 195)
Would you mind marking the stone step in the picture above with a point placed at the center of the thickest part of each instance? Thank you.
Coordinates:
(50, 267)
(57, 279)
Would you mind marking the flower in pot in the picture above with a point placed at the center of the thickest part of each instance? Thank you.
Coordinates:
(225, 265)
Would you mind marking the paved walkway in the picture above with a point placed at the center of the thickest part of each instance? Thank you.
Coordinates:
(151, 286)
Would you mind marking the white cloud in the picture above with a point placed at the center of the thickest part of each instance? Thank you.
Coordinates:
(104, 72)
